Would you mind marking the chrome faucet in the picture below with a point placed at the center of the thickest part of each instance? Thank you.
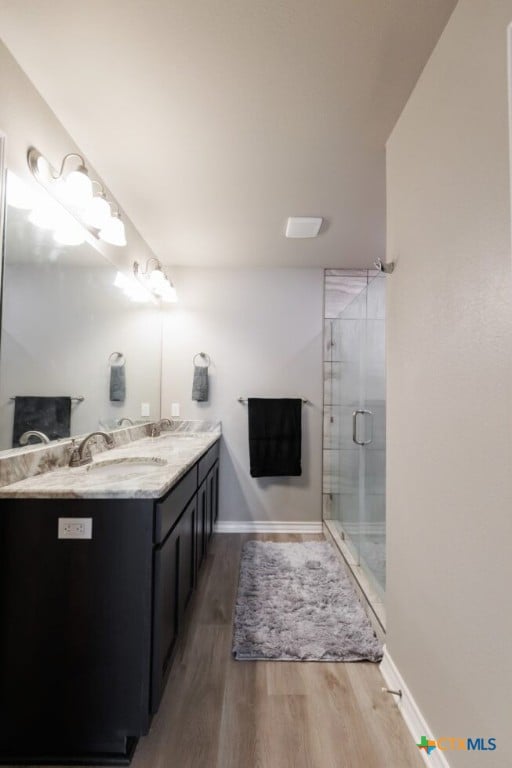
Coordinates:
(34, 433)
(154, 429)
(82, 454)
(125, 418)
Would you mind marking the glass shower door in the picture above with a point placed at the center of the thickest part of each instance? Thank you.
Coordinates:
(354, 434)
(372, 537)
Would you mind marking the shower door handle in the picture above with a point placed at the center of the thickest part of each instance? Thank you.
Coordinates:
(355, 414)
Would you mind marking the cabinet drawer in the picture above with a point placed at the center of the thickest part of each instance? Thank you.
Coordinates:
(207, 462)
(169, 509)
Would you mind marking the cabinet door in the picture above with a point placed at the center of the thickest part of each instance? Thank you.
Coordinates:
(201, 524)
(76, 627)
(216, 492)
(165, 615)
(186, 557)
(211, 502)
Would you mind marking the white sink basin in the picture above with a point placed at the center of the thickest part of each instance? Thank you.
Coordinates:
(124, 468)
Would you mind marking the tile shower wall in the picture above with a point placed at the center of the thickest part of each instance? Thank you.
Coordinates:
(350, 296)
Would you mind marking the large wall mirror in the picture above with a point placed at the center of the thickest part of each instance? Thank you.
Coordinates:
(64, 326)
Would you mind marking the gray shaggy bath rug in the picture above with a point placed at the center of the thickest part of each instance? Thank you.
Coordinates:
(295, 602)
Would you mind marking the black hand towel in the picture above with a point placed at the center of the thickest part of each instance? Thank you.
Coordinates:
(275, 431)
(51, 415)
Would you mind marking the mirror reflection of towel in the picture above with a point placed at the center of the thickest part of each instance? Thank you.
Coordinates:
(200, 383)
(275, 436)
(51, 415)
(117, 383)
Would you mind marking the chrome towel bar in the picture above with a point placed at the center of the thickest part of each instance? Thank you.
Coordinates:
(78, 399)
(245, 399)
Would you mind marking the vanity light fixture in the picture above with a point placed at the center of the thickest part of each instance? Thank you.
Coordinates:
(154, 280)
(112, 230)
(74, 190)
(132, 288)
(77, 184)
(98, 210)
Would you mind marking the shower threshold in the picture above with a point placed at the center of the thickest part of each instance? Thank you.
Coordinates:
(372, 598)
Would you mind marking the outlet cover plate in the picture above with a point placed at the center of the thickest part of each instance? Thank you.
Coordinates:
(75, 528)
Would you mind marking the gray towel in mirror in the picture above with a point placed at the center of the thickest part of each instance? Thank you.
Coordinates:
(200, 383)
(117, 383)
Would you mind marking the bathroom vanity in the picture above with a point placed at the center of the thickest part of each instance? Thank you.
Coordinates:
(97, 568)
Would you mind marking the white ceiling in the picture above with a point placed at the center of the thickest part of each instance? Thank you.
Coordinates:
(212, 121)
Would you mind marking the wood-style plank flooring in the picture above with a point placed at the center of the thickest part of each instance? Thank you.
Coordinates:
(221, 713)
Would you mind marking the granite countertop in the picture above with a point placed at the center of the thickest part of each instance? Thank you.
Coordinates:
(121, 477)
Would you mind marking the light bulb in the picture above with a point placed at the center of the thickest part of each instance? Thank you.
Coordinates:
(157, 278)
(18, 193)
(79, 188)
(60, 191)
(113, 231)
(97, 212)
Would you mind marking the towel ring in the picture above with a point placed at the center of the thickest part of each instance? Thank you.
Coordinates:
(120, 357)
(205, 357)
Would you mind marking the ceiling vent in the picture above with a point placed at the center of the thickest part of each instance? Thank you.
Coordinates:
(303, 226)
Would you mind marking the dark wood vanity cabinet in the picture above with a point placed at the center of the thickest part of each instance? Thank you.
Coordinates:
(174, 581)
(89, 627)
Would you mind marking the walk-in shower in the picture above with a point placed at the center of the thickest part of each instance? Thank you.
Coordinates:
(354, 457)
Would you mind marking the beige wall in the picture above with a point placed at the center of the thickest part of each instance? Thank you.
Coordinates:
(263, 331)
(450, 386)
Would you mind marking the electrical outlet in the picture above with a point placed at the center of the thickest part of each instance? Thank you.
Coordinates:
(144, 409)
(175, 410)
(75, 528)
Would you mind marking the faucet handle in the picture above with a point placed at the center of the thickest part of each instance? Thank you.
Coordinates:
(74, 459)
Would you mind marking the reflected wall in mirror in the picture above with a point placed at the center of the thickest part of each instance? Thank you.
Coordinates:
(62, 318)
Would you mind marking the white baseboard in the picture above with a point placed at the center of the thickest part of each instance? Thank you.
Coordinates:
(266, 526)
(410, 711)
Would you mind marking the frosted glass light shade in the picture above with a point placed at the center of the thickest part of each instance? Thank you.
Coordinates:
(132, 288)
(113, 231)
(78, 188)
(97, 212)
(157, 279)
